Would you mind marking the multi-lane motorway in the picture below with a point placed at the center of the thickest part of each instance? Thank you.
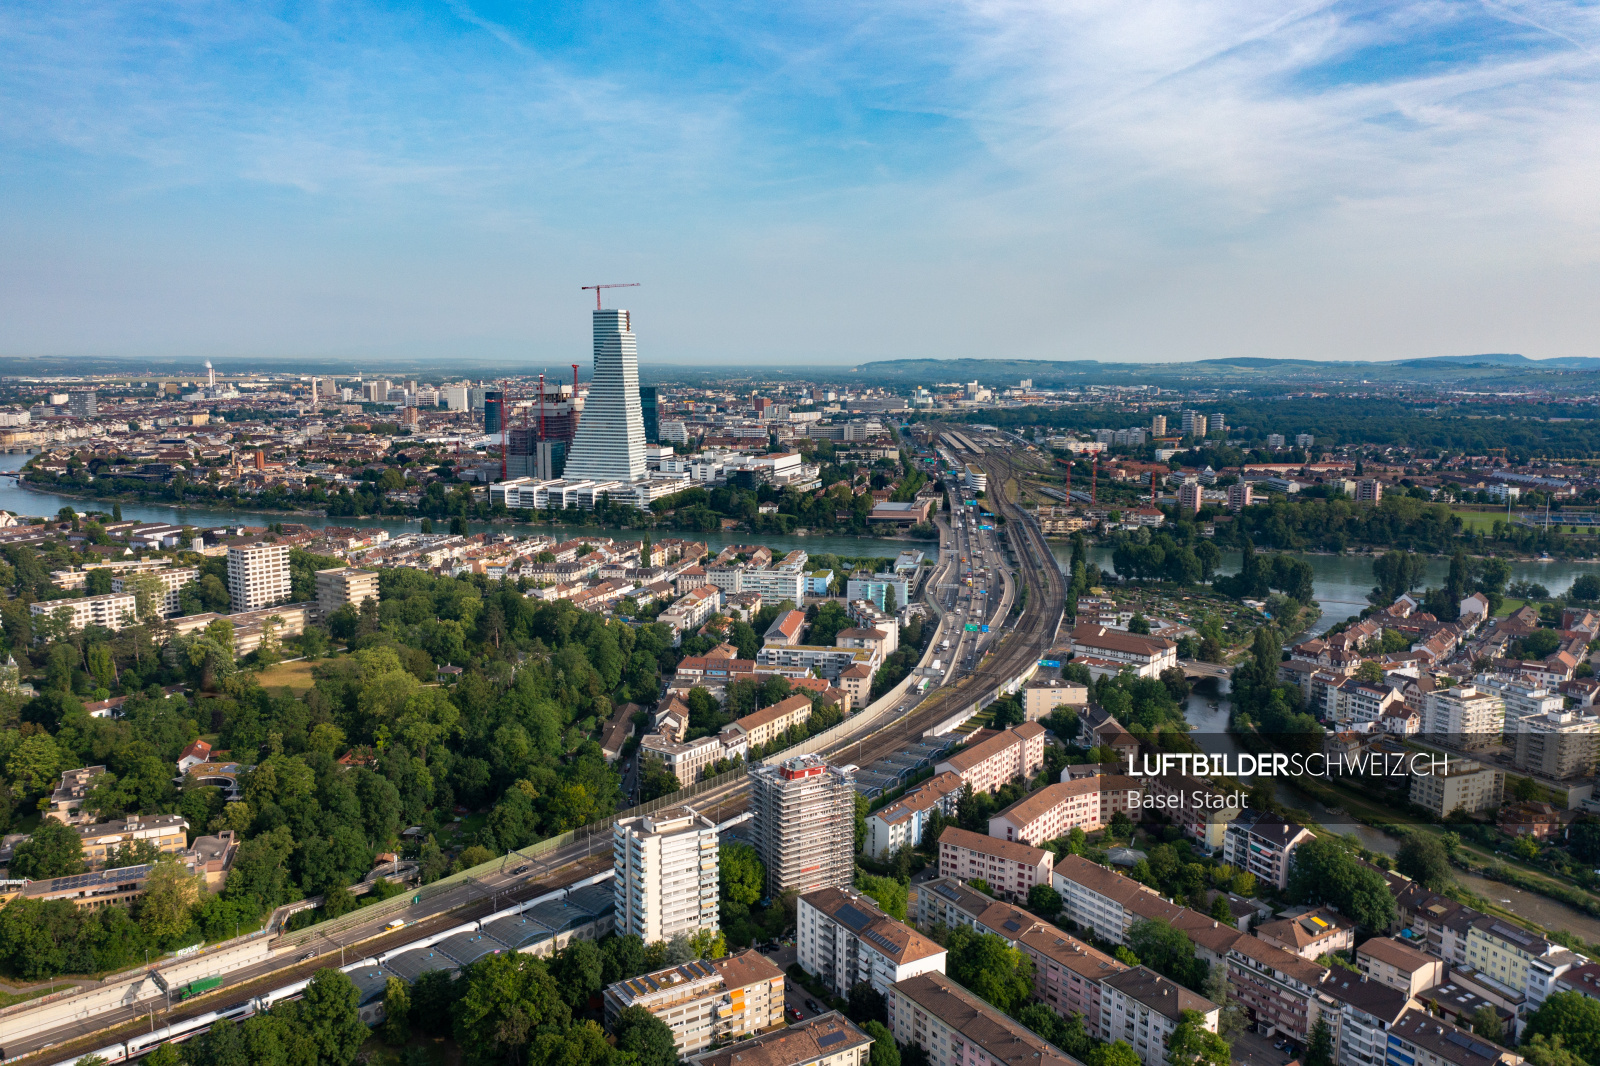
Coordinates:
(1000, 562)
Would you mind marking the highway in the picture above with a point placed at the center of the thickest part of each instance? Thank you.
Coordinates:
(1000, 561)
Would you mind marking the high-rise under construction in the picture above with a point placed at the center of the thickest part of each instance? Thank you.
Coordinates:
(804, 824)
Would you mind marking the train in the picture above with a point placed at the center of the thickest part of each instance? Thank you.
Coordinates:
(177, 1032)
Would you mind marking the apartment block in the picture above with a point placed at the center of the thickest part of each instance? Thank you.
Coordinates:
(831, 663)
(345, 585)
(110, 611)
(1068, 975)
(1469, 785)
(706, 1001)
(903, 822)
(844, 939)
(168, 832)
(826, 1040)
(1010, 868)
(258, 576)
(1104, 901)
(1087, 803)
(1466, 716)
(1276, 986)
(1106, 650)
(769, 723)
(1041, 696)
(1420, 1039)
(1393, 962)
(665, 867)
(804, 826)
(1017, 751)
(1142, 1008)
(1264, 848)
(171, 581)
(1361, 1013)
(1503, 953)
(1557, 745)
(956, 1028)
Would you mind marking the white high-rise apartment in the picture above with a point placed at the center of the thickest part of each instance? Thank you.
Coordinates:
(666, 874)
(805, 823)
(1466, 716)
(609, 445)
(1194, 424)
(258, 576)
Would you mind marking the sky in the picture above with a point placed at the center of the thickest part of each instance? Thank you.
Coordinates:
(800, 184)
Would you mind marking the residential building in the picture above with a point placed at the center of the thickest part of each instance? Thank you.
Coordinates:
(1087, 803)
(113, 610)
(903, 822)
(1240, 496)
(831, 663)
(609, 444)
(170, 582)
(1194, 424)
(196, 753)
(1112, 650)
(1263, 847)
(345, 585)
(1142, 1008)
(1464, 717)
(825, 1040)
(1393, 962)
(1361, 1013)
(1104, 901)
(1437, 924)
(688, 759)
(1276, 987)
(1158, 425)
(1558, 745)
(843, 939)
(874, 588)
(766, 725)
(1310, 935)
(1468, 785)
(1067, 973)
(1189, 496)
(785, 628)
(956, 1028)
(1017, 751)
(804, 826)
(1041, 696)
(168, 832)
(1503, 953)
(82, 404)
(1369, 490)
(1420, 1039)
(706, 1001)
(1009, 868)
(665, 867)
(258, 576)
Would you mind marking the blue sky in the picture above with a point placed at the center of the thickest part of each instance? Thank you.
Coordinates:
(800, 183)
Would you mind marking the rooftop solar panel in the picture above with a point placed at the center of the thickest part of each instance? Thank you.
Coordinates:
(830, 1039)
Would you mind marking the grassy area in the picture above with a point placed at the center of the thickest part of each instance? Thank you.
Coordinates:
(295, 676)
(1479, 521)
(8, 999)
(1508, 605)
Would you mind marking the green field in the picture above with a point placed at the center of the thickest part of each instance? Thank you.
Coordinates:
(1479, 521)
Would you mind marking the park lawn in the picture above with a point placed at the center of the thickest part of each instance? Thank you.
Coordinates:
(1508, 605)
(295, 676)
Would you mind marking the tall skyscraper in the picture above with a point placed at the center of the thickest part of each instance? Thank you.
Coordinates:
(494, 410)
(666, 874)
(805, 823)
(610, 442)
(258, 576)
(650, 413)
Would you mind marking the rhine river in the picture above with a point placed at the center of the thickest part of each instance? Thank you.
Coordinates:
(1341, 585)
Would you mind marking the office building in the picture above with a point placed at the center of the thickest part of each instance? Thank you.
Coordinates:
(609, 445)
(826, 1040)
(258, 576)
(111, 611)
(842, 938)
(494, 410)
(805, 823)
(342, 585)
(650, 414)
(956, 1028)
(665, 880)
(455, 397)
(82, 404)
(706, 1001)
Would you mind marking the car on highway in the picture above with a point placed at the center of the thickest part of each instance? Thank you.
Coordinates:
(520, 870)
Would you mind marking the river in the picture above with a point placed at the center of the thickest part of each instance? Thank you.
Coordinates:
(19, 499)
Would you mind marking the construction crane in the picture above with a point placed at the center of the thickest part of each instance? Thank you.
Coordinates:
(615, 285)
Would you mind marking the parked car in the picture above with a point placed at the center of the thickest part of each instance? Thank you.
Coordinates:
(811, 1005)
(794, 1014)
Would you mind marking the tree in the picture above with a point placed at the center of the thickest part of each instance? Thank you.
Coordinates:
(866, 1004)
(330, 1015)
(644, 1036)
(1322, 871)
(1166, 950)
(1486, 1023)
(1192, 1044)
(1423, 859)
(578, 971)
(396, 1012)
(986, 965)
(1044, 901)
(741, 874)
(1319, 1044)
(506, 999)
(1117, 1054)
(1219, 990)
(889, 894)
(1549, 1051)
(1574, 1018)
(54, 850)
(170, 894)
(885, 1052)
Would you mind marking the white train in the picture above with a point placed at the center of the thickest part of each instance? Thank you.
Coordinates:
(136, 1046)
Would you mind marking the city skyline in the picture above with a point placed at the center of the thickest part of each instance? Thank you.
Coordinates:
(1184, 180)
